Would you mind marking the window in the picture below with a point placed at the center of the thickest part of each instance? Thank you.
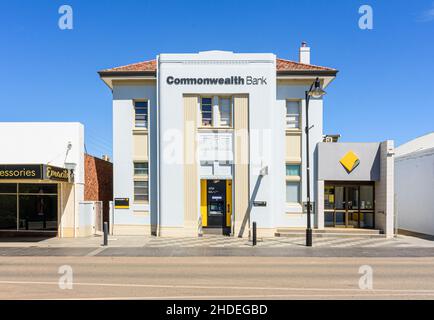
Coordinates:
(292, 192)
(292, 115)
(225, 110)
(141, 114)
(293, 178)
(141, 184)
(206, 112)
(141, 190)
(293, 170)
(141, 169)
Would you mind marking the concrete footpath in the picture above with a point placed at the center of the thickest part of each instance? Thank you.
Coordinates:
(401, 246)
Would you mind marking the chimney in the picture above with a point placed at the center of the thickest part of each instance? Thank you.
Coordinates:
(304, 56)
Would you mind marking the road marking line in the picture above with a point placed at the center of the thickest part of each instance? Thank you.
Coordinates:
(95, 252)
(253, 296)
(221, 287)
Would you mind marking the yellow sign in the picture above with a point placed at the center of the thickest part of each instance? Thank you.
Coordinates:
(350, 161)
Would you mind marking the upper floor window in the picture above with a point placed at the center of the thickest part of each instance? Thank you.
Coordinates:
(206, 112)
(141, 168)
(293, 183)
(141, 114)
(141, 181)
(216, 112)
(292, 115)
(225, 110)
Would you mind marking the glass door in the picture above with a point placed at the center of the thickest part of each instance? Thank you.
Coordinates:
(340, 207)
(352, 206)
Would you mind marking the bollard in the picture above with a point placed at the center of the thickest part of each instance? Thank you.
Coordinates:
(254, 233)
(105, 234)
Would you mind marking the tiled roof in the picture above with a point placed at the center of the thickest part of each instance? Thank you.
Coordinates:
(282, 65)
(144, 66)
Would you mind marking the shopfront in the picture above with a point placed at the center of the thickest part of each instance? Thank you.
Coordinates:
(355, 186)
(30, 197)
(349, 205)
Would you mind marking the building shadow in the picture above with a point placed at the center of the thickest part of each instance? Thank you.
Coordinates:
(246, 219)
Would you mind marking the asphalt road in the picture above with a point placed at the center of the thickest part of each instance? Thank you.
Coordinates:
(214, 278)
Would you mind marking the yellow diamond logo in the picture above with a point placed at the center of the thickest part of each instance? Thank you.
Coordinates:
(350, 161)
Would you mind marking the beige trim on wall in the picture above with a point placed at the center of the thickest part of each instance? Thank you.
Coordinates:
(191, 208)
(241, 174)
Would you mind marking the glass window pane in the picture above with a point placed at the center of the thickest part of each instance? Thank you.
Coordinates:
(293, 170)
(329, 197)
(8, 212)
(8, 188)
(141, 168)
(225, 112)
(38, 212)
(366, 197)
(141, 114)
(141, 190)
(292, 192)
(206, 100)
(339, 198)
(292, 107)
(37, 188)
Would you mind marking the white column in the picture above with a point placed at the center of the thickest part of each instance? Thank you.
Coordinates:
(215, 112)
(320, 204)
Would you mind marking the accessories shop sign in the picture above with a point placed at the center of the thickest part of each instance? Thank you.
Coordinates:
(233, 80)
(35, 172)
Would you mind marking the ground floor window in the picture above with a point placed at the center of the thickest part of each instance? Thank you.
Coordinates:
(28, 207)
(349, 205)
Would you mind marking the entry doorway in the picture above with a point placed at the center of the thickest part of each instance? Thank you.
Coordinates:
(349, 205)
(216, 206)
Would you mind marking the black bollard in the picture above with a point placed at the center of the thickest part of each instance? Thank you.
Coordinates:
(254, 233)
(105, 234)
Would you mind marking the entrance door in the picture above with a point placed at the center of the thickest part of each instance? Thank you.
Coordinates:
(349, 206)
(216, 204)
(352, 207)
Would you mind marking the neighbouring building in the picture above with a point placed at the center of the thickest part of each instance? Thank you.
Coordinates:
(414, 185)
(98, 184)
(46, 178)
(212, 141)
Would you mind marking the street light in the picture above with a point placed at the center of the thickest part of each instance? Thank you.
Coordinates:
(315, 91)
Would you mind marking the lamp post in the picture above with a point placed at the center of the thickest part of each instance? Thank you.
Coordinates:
(315, 91)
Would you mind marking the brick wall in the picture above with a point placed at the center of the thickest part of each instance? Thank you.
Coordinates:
(98, 176)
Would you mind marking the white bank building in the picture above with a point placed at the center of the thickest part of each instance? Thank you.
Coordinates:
(213, 141)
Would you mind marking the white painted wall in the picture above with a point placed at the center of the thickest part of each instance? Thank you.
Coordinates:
(263, 124)
(414, 188)
(123, 167)
(292, 216)
(43, 143)
(46, 143)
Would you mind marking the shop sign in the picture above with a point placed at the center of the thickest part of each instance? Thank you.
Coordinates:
(16, 171)
(35, 172)
(122, 203)
(57, 174)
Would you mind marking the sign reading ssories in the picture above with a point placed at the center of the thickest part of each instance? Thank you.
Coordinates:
(35, 172)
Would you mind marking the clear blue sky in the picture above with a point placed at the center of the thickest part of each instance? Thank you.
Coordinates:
(384, 89)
